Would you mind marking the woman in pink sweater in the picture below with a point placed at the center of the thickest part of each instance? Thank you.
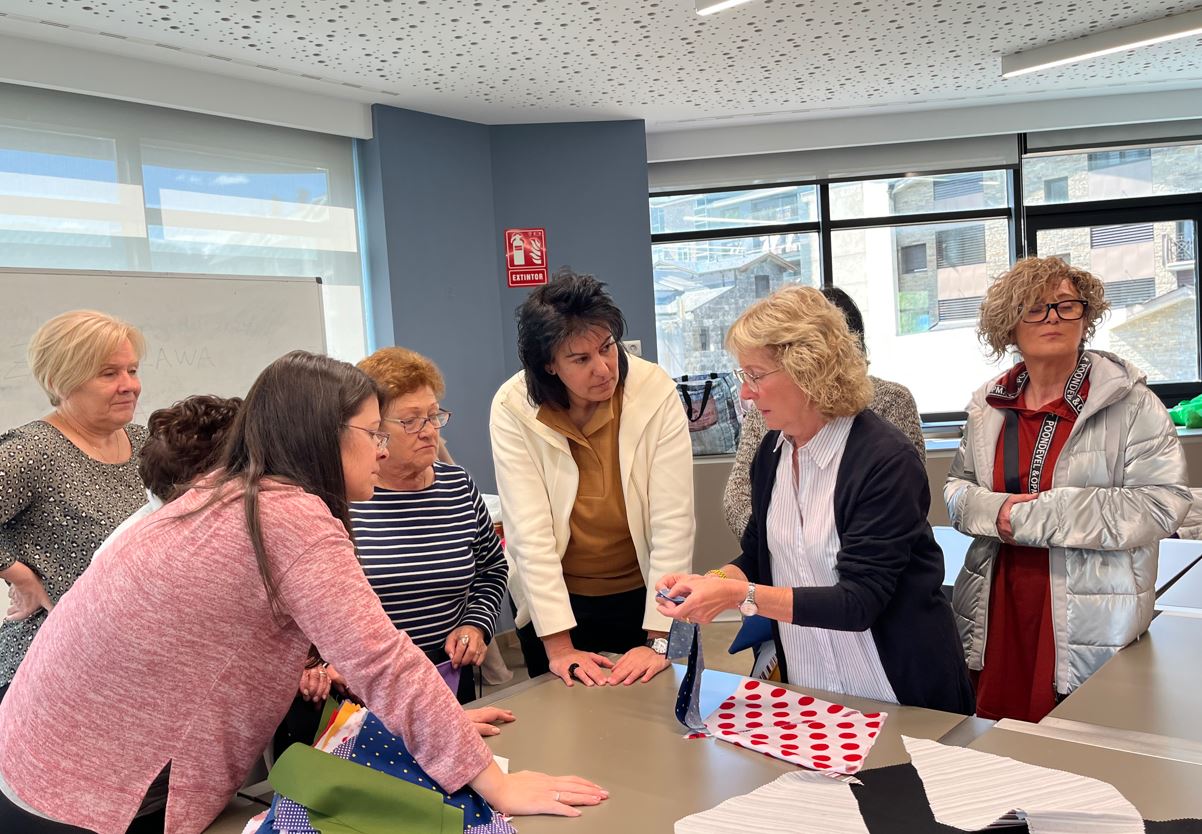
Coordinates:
(179, 649)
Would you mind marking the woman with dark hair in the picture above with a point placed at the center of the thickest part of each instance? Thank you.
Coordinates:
(208, 610)
(595, 471)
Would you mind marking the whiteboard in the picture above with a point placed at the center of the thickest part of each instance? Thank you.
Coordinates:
(204, 334)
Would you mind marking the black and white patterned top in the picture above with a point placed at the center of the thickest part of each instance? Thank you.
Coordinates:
(56, 507)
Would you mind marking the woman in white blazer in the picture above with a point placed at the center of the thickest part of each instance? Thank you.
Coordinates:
(595, 471)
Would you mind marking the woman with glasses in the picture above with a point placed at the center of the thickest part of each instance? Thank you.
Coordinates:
(1068, 475)
(178, 650)
(595, 470)
(425, 538)
(838, 552)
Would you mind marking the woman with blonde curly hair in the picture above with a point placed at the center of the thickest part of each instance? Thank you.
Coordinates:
(838, 552)
(1068, 475)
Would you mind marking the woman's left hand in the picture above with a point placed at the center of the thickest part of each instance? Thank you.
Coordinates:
(315, 684)
(27, 595)
(705, 597)
(465, 646)
(639, 664)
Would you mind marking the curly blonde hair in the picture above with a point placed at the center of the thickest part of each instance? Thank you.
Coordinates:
(1026, 283)
(400, 371)
(809, 337)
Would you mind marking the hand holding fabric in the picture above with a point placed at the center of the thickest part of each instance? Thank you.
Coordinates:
(705, 597)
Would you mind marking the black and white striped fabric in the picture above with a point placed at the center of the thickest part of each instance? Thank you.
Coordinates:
(432, 556)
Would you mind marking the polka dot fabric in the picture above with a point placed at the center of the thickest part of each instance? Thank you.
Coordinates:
(796, 728)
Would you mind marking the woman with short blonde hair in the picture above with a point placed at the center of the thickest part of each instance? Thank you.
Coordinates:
(856, 599)
(1068, 475)
(72, 476)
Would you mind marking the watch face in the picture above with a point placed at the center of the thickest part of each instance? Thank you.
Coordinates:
(659, 645)
(749, 609)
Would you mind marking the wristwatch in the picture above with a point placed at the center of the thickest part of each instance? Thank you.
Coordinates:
(659, 645)
(747, 607)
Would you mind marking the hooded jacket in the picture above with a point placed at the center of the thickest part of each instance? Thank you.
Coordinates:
(1118, 487)
(537, 479)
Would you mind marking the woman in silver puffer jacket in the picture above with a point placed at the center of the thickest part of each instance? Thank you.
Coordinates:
(1069, 474)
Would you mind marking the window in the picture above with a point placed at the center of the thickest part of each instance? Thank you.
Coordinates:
(101, 184)
(1055, 190)
(960, 247)
(701, 287)
(1114, 159)
(1102, 236)
(733, 209)
(913, 257)
(918, 321)
(896, 196)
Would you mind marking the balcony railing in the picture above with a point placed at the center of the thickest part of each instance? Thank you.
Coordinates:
(1179, 250)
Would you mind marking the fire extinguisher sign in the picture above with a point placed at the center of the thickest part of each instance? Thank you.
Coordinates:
(526, 257)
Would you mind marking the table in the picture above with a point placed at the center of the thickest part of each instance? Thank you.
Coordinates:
(1176, 557)
(1146, 695)
(627, 740)
(1160, 789)
(1185, 595)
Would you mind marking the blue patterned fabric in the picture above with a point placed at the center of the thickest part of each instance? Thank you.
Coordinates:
(381, 750)
(685, 638)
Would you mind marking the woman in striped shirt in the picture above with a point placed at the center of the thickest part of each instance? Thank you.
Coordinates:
(425, 539)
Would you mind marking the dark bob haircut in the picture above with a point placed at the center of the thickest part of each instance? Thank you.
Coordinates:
(185, 442)
(571, 304)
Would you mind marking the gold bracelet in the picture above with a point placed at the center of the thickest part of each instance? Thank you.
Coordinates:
(718, 572)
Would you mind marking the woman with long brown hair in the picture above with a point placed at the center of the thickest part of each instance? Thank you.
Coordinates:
(181, 648)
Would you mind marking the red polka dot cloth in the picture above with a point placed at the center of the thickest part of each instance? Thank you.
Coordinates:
(796, 728)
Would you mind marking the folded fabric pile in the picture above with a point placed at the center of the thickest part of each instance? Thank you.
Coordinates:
(360, 777)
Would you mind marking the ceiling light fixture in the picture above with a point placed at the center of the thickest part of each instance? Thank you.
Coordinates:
(707, 7)
(1101, 43)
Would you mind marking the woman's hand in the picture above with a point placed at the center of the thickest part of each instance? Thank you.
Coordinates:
(315, 684)
(1004, 531)
(575, 665)
(485, 717)
(639, 664)
(705, 596)
(529, 792)
(465, 646)
(26, 594)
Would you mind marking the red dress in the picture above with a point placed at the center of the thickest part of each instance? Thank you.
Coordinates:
(1018, 679)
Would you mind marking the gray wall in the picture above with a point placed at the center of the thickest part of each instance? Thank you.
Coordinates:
(586, 182)
(437, 195)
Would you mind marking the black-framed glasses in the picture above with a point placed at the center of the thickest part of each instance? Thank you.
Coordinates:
(412, 425)
(1070, 310)
(380, 437)
(751, 380)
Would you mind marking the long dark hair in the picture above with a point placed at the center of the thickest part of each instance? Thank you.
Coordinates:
(289, 429)
(569, 305)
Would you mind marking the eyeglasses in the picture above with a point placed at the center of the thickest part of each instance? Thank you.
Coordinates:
(1070, 310)
(412, 425)
(751, 380)
(380, 437)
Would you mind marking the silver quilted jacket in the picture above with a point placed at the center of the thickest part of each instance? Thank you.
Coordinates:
(1118, 488)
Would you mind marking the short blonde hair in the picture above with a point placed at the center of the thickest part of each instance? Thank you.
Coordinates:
(809, 337)
(400, 371)
(71, 348)
(1025, 283)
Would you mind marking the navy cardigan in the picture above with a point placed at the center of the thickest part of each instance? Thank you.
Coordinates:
(890, 568)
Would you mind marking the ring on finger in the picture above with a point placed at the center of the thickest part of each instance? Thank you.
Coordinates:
(465, 639)
(557, 796)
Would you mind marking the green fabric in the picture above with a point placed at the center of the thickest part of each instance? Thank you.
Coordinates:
(1188, 413)
(348, 798)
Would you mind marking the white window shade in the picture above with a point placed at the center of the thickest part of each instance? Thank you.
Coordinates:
(88, 183)
(1151, 133)
(835, 163)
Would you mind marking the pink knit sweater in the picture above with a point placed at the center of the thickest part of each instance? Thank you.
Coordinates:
(165, 650)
